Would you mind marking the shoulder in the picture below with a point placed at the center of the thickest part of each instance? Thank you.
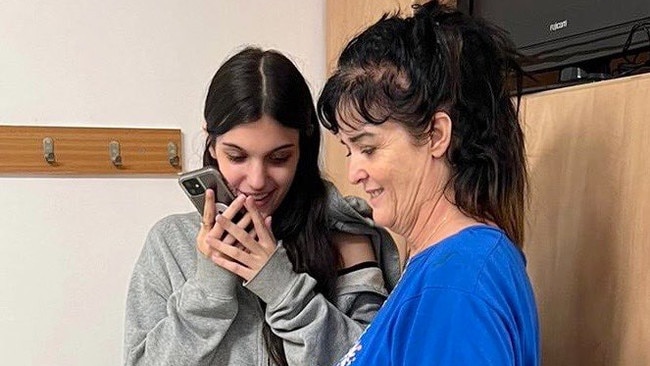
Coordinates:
(353, 215)
(174, 236)
(470, 259)
(348, 208)
(476, 284)
(178, 224)
(353, 249)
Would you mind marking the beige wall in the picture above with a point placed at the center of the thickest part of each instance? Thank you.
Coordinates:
(67, 246)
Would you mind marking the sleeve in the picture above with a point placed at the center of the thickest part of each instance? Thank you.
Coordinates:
(449, 327)
(182, 326)
(315, 331)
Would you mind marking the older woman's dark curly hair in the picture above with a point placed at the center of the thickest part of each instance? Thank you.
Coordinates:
(407, 69)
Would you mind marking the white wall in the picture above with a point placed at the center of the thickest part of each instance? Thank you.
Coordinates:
(67, 245)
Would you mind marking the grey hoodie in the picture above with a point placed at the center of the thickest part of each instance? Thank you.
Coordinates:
(184, 310)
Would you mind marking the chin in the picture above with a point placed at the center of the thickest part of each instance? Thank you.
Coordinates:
(268, 210)
(381, 220)
(264, 211)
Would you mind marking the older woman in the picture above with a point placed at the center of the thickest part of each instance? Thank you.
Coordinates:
(422, 106)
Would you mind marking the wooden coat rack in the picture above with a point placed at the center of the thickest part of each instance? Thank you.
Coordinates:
(27, 150)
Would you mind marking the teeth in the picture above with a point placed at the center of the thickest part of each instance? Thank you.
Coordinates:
(256, 197)
(375, 193)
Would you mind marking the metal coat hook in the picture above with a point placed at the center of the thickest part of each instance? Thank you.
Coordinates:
(48, 150)
(114, 153)
(172, 155)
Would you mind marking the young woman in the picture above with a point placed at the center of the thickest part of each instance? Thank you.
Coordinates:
(293, 282)
(423, 107)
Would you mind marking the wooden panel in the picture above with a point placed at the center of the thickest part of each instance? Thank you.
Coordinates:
(83, 151)
(588, 242)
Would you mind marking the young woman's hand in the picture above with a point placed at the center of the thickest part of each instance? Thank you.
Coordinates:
(254, 248)
(210, 230)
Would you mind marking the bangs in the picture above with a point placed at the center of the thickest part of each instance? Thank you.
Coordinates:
(366, 94)
(360, 105)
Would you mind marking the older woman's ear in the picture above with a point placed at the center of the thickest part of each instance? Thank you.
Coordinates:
(440, 134)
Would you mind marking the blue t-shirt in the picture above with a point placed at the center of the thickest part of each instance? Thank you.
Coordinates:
(464, 301)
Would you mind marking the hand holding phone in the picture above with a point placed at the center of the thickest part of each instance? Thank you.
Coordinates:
(248, 234)
(209, 193)
(254, 246)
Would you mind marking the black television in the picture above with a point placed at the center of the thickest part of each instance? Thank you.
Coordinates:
(555, 34)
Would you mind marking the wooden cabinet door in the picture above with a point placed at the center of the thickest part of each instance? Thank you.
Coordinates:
(587, 234)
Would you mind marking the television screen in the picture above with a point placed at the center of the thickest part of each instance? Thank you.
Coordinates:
(566, 32)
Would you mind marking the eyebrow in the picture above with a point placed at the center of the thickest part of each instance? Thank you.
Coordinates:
(281, 147)
(360, 136)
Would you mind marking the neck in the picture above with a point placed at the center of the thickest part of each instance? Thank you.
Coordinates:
(431, 221)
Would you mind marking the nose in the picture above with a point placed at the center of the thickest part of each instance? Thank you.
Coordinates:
(356, 172)
(256, 177)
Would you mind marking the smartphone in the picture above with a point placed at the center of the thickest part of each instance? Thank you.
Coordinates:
(196, 182)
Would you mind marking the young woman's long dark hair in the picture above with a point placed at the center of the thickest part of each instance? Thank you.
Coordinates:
(247, 86)
(407, 69)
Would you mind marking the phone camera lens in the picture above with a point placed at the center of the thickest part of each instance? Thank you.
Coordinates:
(193, 187)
